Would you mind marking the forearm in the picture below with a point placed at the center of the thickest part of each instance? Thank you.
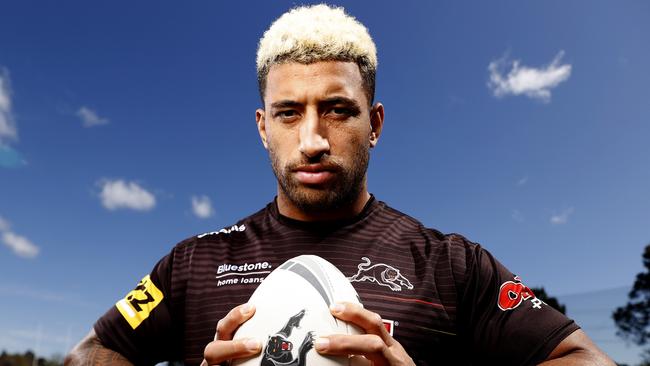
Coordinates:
(578, 349)
(90, 352)
(578, 358)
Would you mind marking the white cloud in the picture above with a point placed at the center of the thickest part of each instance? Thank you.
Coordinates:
(90, 118)
(522, 181)
(561, 218)
(8, 131)
(119, 194)
(517, 216)
(533, 82)
(202, 207)
(20, 245)
(4, 225)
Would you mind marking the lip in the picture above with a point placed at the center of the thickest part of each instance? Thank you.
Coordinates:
(313, 174)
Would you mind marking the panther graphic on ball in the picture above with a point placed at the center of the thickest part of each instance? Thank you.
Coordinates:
(278, 348)
(288, 322)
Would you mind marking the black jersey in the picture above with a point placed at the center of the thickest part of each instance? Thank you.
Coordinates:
(445, 299)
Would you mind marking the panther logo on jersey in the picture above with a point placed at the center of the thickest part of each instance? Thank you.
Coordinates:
(381, 274)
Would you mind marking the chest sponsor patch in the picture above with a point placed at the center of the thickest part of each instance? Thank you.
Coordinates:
(136, 306)
(238, 274)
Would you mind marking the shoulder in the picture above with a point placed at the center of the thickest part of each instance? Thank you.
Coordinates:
(404, 221)
(218, 238)
(444, 249)
(409, 223)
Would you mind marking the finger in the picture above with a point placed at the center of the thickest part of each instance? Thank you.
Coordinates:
(235, 317)
(217, 352)
(370, 346)
(359, 361)
(369, 321)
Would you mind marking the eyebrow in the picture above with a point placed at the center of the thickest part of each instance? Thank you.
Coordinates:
(287, 103)
(341, 100)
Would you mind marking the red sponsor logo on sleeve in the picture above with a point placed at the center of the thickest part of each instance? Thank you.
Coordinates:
(513, 293)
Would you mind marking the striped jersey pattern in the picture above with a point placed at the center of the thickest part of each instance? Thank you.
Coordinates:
(441, 296)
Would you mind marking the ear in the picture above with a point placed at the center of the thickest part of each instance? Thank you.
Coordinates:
(260, 119)
(376, 123)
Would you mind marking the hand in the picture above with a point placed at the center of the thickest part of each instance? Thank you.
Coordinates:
(376, 345)
(223, 348)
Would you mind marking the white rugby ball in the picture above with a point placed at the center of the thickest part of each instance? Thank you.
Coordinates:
(292, 310)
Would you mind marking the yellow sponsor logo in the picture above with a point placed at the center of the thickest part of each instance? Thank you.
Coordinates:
(138, 304)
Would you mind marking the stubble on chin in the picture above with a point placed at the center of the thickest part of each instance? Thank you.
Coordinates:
(340, 192)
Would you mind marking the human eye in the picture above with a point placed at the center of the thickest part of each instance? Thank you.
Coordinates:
(285, 114)
(343, 112)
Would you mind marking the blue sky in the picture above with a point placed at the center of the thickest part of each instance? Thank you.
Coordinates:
(115, 116)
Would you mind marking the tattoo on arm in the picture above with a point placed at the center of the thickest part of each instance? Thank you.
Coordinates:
(99, 355)
(91, 352)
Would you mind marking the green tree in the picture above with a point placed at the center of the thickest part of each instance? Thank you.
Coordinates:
(633, 319)
(541, 294)
(27, 359)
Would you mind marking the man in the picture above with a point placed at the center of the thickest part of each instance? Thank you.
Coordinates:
(428, 298)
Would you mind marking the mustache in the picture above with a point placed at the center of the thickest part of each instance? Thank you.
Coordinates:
(324, 162)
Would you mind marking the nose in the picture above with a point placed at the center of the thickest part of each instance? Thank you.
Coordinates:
(313, 138)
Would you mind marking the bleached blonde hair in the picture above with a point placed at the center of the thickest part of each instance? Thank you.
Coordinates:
(308, 34)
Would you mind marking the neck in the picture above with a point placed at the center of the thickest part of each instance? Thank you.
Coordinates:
(288, 209)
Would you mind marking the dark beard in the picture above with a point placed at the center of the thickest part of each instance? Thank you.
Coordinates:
(341, 192)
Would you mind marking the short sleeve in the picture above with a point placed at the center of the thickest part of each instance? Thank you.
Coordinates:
(502, 319)
(142, 325)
